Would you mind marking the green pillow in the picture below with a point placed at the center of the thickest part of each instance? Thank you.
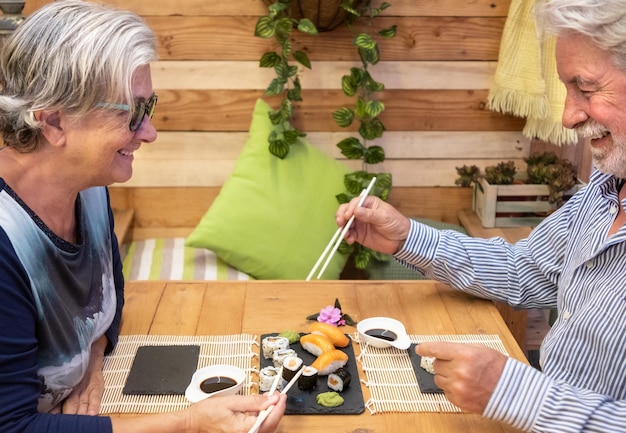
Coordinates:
(273, 218)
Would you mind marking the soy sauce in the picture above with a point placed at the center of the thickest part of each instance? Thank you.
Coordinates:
(218, 383)
(383, 334)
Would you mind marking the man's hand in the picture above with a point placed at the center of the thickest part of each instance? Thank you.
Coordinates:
(468, 374)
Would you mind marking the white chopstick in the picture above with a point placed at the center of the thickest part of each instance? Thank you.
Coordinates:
(338, 236)
(264, 414)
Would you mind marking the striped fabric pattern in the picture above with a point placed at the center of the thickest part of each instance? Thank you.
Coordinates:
(170, 259)
(567, 262)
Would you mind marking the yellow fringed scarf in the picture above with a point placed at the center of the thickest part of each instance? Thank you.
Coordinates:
(526, 83)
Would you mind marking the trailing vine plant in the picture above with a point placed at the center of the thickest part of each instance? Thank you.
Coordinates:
(279, 25)
(360, 85)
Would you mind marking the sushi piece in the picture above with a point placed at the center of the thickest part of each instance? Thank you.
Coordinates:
(339, 379)
(330, 361)
(272, 344)
(267, 375)
(291, 365)
(333, 333)
(308, 379)
(280, 355)
(316, 344)
(428, 364)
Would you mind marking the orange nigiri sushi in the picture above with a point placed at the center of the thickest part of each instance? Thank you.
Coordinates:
(316, 344)
(333, 333)
(330, 361)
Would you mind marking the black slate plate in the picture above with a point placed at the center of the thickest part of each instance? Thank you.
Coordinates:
(425, 380)
(160, 370)
(304, 402)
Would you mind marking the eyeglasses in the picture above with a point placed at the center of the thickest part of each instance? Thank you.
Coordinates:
(143, 107)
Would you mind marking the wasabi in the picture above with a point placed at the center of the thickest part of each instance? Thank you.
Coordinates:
(292, 336)
(329, 399)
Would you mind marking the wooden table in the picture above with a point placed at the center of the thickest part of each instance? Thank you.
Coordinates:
(258, 307)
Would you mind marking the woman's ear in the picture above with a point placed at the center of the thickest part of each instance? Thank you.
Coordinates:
(51, 128)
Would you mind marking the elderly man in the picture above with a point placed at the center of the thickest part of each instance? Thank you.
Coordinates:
(574, 261)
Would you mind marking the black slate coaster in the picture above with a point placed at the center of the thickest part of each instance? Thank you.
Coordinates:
(305, 402)
(425, 380)
(161, 370)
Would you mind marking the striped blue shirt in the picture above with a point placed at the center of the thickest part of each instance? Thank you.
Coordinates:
(567, 262)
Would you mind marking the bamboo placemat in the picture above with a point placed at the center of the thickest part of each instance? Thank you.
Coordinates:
(216, 349)
(391, 379)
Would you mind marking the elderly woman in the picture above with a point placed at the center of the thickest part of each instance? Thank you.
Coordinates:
(76, 100)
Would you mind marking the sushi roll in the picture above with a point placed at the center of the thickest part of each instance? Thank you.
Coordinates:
(428, 364)
(330, 361)
(308, 379)
(272, 344)
(280, 355)
(267, 376)
(316, 344)
(339, 379)
(291, 365)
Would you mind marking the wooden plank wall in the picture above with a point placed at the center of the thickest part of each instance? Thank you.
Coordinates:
(436, 71)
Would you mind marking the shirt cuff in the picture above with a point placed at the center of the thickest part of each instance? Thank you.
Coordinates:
(519, 395)
(423, 239)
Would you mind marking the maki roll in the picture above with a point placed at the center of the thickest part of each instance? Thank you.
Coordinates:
(428, 364)
(308, 380)
(280, 355)
(267, 376)
(291, 365)
(272, 344)
(339, 379)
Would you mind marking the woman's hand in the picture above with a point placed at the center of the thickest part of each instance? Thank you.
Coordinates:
(86, 398)
(235, 413)
(468, 374)
(377, 224)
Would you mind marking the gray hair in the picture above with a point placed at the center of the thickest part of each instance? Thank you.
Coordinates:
(68, 56)
(602, 21)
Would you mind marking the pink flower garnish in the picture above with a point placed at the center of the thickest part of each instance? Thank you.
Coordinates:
(331, 315)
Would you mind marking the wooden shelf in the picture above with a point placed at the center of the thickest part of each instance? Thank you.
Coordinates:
(123, 222)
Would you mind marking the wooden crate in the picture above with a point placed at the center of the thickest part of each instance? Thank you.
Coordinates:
(513, 205)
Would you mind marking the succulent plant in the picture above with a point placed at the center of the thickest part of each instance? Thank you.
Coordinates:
(501, 174)
(468, 174)
(548, 169)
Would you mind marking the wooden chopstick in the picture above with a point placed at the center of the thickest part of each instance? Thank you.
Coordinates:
(264, 414)
(342, 232)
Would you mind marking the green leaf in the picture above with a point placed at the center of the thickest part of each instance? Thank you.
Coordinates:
(374, 108)
(337, 304)
(349, 320)
(343, 117)
(294, 94)
(341, 199)
(269, 60)
(389, 32)
(282, 71)
(361, 111)
(362, 259)
(313, 316)
(374, 86)
(371, 129)
(384, 5)
(264, 28)
(302, 58)
(344, 248)
(306, 26)
(292, 70)
(279, 148)
(292, 135)
(369, 56)
(364, 41)
(348, 85)
(276, 117)
(374, 155)
(351, 148)
(276, 8)
(275, 88)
